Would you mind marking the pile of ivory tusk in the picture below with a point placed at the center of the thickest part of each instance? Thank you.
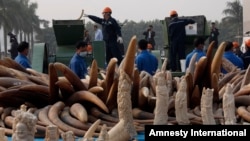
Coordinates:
(117, 103)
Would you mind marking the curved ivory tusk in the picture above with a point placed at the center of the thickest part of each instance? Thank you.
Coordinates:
(89, 134)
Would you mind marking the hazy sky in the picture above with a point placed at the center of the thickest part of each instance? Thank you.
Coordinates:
(135, 10)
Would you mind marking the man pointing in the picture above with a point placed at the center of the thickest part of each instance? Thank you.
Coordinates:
(111, 34)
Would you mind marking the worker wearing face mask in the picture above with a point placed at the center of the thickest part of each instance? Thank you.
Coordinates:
(77, 62)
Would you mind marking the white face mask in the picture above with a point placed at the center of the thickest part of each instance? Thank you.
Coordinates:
(83, 54)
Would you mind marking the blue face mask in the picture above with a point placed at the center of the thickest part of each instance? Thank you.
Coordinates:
(83, 54)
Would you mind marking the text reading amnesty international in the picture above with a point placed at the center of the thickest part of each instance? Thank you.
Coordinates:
(197, 133)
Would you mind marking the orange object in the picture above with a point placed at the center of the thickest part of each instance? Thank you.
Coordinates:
(107, 10)
(173, 12)
(247, 43)
(150, 46)
(89, 48)
(235, 44)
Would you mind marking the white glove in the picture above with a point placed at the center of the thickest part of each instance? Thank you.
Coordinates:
(119, 40)
(85, 15)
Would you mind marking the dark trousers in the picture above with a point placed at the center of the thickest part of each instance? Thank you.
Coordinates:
(112, 50)
(176, 48)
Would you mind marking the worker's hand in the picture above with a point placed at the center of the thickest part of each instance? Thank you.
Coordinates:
(119, 40)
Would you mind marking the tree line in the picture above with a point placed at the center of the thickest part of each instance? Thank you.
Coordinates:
(19, 16)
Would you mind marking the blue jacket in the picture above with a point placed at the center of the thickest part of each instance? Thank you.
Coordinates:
(78, 66)
(23, 60)
(145, 61)
(110, 28)
(246, 58)
(200, 53)
(176, 29)
(237, 61)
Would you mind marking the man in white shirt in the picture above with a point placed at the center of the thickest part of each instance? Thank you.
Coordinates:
(98, 33)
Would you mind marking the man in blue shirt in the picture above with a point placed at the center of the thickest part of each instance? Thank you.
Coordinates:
(199, 45)
(229, 55)
(145, 61)
(77, 62)
(23, 51)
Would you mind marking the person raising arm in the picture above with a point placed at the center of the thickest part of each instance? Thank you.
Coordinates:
(111, 34)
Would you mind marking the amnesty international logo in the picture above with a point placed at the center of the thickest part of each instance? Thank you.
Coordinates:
(193, 132)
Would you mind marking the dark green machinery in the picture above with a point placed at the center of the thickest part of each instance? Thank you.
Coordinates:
(67, 33)
(40, 57)
(200, 28)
